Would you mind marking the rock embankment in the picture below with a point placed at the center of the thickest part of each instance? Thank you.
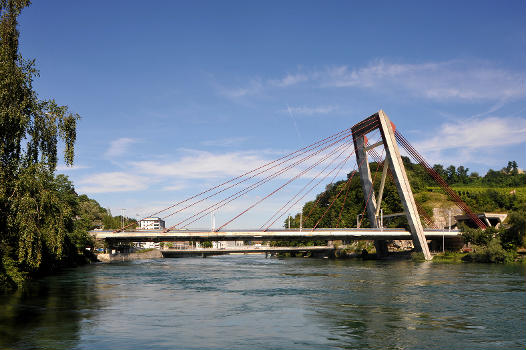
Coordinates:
(441, 216)
(108, 258)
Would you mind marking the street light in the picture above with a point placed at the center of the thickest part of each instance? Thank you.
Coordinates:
(358, 220)
(449, 230)
(122, 218)
(213, 220)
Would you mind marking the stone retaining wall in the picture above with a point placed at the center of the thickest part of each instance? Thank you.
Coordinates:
(108, 258)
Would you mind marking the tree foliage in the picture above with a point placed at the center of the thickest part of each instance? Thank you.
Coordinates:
(342, 204)
(493, 252)
(37, 209)
(509, 237)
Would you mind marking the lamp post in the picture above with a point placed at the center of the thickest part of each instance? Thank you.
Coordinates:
(449, 230)
(381, 220)
(122, 218)
(213, 220)
(358, 220)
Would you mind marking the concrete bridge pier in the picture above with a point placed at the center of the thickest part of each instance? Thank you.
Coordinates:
(393, 161)
(381, 248)
(368, 191)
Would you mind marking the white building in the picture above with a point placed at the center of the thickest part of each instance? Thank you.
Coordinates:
(223, 244)
(147, 245)
(153, 223)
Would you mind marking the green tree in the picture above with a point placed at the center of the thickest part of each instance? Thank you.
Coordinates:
(515, 234)
(439, 168)
(451, 174)
(474, 177)
(462, 174)
(35, 213)
(206, 244)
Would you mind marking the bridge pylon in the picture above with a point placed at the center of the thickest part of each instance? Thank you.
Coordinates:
(393, 160)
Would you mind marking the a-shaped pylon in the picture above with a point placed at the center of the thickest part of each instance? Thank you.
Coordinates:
(394, 162)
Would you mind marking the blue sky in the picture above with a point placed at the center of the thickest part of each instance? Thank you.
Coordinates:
(178, 96)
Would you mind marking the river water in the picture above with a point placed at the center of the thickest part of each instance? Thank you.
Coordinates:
(250, 302)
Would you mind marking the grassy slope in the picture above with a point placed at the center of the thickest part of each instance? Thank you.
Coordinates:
(519, 191)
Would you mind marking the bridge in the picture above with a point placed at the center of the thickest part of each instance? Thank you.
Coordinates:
(269, 235)
(332, 155)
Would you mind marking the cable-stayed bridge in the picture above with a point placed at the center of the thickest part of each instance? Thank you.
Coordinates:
(374, 138)
(271, 235)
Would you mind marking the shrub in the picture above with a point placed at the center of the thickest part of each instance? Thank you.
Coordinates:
(478, 236)
(417, 256)
(424, 197)
(515, 234)
(492, 253)
(206, 244)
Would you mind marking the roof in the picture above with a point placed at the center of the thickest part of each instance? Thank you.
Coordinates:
(152, 219)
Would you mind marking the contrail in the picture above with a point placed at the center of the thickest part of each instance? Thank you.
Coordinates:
(294, 121)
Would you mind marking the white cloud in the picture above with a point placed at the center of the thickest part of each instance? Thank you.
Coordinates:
(446, 80)
(476, 133)
(304, 110)
(226, 142)
(290, 79)
(459, 80)
(254, 87)
(175, 187)
(198, 170)
(203, 165)
(112, 182)
(119, 147)
(197, 164)
(65, 168)
(472, 139)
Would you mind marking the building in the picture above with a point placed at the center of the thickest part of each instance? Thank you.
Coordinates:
(153, 223)
(227, 244)
(147, 245)
(223, 244)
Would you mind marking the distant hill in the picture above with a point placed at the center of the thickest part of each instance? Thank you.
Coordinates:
(341, 202)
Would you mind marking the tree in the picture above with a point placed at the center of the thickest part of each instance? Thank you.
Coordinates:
(206, 244)
(439, 168)
(35, 211)
(515, 234)
(514, 168)
(462, 174)
(451, 174)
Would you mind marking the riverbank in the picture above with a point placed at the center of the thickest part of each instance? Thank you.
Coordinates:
(148, 254)
(483, 256)
(338, 254)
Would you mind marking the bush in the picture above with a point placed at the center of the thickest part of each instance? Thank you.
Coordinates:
(206, 244)
(515, 234)
(417, 256)
(424, 197)
(448, 256)
(478, 236)
(492, 253)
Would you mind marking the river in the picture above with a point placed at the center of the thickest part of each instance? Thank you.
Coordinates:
(250, 302)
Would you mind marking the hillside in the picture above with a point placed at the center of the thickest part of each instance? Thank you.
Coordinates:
(497, 191)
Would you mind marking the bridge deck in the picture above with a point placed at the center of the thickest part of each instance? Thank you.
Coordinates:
(240, 235)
